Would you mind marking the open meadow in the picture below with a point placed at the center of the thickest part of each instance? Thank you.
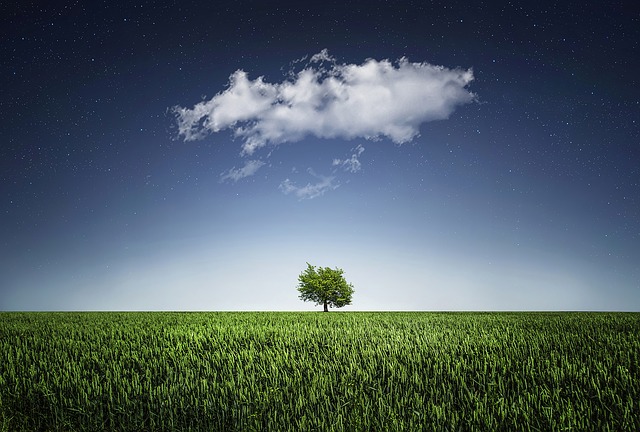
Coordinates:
(303, 371)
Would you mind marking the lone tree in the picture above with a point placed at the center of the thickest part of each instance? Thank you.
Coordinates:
(324, 286)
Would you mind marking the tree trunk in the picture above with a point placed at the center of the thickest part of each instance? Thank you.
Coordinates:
(326, 309)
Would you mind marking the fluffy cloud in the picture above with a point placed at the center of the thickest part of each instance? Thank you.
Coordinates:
(329, 100)
(353, 163)
(310, 190)
(235, 174)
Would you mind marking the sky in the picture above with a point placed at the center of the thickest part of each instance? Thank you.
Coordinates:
(446, 155)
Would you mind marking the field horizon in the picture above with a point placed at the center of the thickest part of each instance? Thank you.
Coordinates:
(311, 370)
(479, 311)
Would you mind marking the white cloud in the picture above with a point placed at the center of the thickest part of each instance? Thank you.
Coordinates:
(235, 174)
(310, 190)
(322, 56)
(353, 163)
(371, 100)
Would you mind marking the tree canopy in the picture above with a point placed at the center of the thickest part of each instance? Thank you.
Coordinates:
(324, 286)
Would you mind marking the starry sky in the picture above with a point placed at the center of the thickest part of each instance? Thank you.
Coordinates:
(448, 155)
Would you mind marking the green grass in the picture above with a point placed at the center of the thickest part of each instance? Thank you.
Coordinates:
(314, 371)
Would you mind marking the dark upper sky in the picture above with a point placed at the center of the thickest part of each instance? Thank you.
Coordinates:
(516, 189)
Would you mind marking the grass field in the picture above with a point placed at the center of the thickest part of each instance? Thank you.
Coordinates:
(314, 371)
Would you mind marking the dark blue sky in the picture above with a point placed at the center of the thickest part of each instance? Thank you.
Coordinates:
(521, 191)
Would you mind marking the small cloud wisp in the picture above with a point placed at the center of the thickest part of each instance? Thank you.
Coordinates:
(234, 174)
(309, 191)
(352, 164)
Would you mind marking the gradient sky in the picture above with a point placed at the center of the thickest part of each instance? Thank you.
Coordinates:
(145, 165)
